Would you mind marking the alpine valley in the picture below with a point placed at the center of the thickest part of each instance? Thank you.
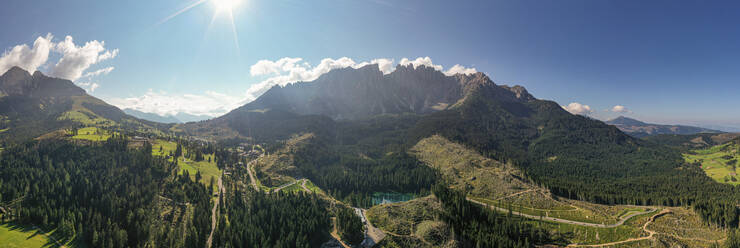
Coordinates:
(357, 158)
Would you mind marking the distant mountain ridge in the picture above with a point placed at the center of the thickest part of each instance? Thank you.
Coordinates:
(151, 116)
(641, 129)
(177, 118)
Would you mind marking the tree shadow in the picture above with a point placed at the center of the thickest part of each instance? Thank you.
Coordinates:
(34, 231)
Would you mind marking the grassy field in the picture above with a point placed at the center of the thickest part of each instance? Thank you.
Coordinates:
(575, 214)
(411, 223)
(466, 169)
(313, 188)
(207, 169)
(719, 162)
(80, 113)
(167, 147)
(593, 235)
(12, 236)
(92, 134)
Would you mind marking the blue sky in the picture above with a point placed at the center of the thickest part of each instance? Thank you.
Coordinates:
(664, 61)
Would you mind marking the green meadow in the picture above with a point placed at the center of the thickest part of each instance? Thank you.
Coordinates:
(718, 162)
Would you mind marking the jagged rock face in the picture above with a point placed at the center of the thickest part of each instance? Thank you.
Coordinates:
(364, 92)
(18, 82)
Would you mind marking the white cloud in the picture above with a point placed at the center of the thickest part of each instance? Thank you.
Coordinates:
(281, 72)
(290, 70)
(426, 61)
(620, 109)
(162, 103)
(578, 108)
(385, 65)
(76, 59)
(459, 69)
(420, 61)
(30, 59)
(103, 71)
(89, 86)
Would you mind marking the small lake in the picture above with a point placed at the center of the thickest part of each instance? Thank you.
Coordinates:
(391, 197)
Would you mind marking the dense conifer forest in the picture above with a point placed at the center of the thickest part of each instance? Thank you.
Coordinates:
(103, 195)
(256, 219)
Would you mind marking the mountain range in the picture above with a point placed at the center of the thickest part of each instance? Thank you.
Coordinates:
(641, 129)
(364, 112)
(346, 136)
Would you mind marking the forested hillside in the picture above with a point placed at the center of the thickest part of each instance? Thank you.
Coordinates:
(104, 195)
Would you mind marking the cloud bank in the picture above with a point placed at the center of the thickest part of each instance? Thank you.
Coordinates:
(281, 72)
(578, 109)
(73, 62)
(162, 103)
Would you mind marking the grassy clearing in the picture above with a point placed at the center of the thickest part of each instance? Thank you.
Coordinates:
(684, 225)
(467, 169)
(295, 188)
(92, 134)
(575, 214)
(207, 169)
(313, 188)
(718, 162)
(12, 236)
(403, 217)
(79, 113)
(167, 147)
(593, 235)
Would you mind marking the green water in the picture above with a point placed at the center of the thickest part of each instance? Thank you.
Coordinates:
(391, 197)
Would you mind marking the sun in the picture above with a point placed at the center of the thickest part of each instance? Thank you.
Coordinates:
(225, 5)
(222, 8)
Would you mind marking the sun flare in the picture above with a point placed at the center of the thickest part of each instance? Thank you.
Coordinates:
(225, 5)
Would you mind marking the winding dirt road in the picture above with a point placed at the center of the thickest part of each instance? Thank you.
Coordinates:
(251, 175)
(644, 227)
(214, 212)
(286, 185)
(619, 223)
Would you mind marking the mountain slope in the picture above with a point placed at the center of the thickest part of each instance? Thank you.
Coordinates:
(32, 105)
(641, 129)
(573, 156)
(349, 94)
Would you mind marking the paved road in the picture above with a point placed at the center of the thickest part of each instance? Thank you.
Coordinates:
(286, 185)
(619, 223)
(373, 235)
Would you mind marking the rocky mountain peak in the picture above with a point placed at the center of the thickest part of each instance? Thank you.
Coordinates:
(17, 81)
(520, 92)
